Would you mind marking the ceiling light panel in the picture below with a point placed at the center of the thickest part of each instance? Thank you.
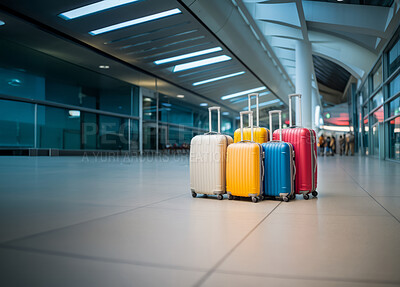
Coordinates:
(189, 55)
(94, 8)
(264, 104)
(135, 21)
(147, 33)
(218, 78)
(227, 97)
(200, 63)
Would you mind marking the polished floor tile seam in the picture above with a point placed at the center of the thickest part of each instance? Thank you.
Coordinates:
(61, 254)
(214, 268)
(327, 279)
(6, 243)
(373, 198)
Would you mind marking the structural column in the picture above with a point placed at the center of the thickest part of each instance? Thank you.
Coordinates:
(141, 121)
(314, 103)
(303, 82)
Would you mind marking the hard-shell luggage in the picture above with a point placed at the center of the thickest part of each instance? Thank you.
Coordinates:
(260, 135)
(208, 161)
(244, 166)
(279, 167)
(305, 147)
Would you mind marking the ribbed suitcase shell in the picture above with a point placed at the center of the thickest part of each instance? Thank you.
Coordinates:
(305, 148)
(278, 169)
(260, 135)
(208, 163)
(244, 169)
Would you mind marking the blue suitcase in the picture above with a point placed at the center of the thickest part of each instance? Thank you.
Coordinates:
(279, 166)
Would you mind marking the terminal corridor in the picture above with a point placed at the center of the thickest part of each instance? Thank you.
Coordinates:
(94, 221)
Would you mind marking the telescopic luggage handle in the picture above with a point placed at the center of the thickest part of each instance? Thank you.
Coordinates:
(219, 118)
(257, 109)
(250, 113)
(279, 112)
(290, 108)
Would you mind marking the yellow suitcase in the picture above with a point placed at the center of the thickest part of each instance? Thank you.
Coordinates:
(260, 135)
(244, 167)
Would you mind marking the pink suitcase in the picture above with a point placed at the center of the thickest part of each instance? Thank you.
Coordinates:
(304, 142)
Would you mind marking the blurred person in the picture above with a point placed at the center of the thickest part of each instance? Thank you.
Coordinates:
(351, 142)
(341, 144)
(350, 139)
(328, 150)
(321, 144)
(333, 146)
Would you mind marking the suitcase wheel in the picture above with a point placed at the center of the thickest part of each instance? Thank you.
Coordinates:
(285, 199)
(220, 196)
(315, 193)
(306, 196)
(194, 194)
(254, 199)
(230, 196)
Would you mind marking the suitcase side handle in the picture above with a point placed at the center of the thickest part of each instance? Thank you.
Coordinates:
(291, 96)
(218, 109)
(279, 112)
(250, 113)
(257, 109)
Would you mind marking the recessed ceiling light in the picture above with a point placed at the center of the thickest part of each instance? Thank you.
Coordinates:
(243, 93)
(2, 23)
(180, 96)
(135, 21)
(93, 8)
(201, 63)
(74, 113)
(218, 78)
(15, 82)
(186, 56)
(104, 67)
(243, 99)
(203, 105)
(225, 113)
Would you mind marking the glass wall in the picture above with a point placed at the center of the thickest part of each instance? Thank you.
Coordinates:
(180, 121)
(52, 104)
(16, 124)
(380, 97)
(394, 138)
(394, 57)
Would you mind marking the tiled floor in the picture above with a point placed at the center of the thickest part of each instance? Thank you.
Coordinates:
(132, 222)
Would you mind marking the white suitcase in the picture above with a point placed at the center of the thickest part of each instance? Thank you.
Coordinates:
(208, 161)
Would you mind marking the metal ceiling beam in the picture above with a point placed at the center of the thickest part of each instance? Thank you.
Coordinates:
(355, 18)
(304, 29)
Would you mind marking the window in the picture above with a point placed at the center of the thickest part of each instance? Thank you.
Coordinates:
(58, 128)
(377, 116)
(394, 57)
(16, 124)
(365, 110)
(365, 92)
(394, 139)
(377, 100)
(394, 107)
(377, 78)
(149, 109)
(394, 87)
(113, 133)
